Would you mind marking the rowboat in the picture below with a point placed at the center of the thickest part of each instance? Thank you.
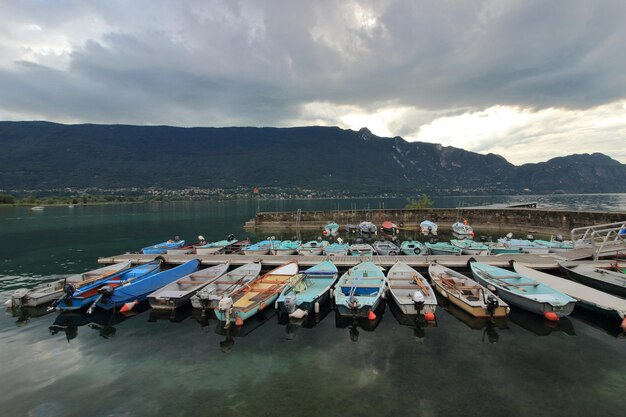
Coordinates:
(496, 248)
(466, 293)
(331, 229)
(524, 246)
(443, 248)
(313, 247)
(136, 290)
(83, 296)
(361, 249)
(351, 228)
(209, 296)
(523, 292)
(179, 292)
(304, 293)
(554, 246)
(51, 291)
(162, 248)
(428, 228)
(390, 227)
(213, 247)
(413, 247)
(261, 248)
(602, 279)
(462, 230)
(411, 291)
(337, 249)
(360, 290)
(234, 248)
(590, 298)
(37, 208)
(256, 295)
(367, 228)
(385, 247)
(469, 247)
(286, 247)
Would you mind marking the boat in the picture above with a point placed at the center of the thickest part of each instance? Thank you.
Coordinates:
(523, 292)
(256, 295)
(312, 247)
(84, 296)
(136, 290)
(590, 298)
(179, 292)
(462, 230)
(361, 249)
(413, 247)
(385, 247)
(337, 249)
(555, 246)
(524, 245)
(51, 291)
(209, 296)
(366, 228)
(306, 291)
(235, 248)
(428, 228)
(466, 293)
(613, 282)
(443, 248)
(390, 228)
(331, 229)
(214, 247)
(163, 247)
(37, 208)
(351, 228)
(360, 290)
(411, 291)
(469, 247)
(497, 248)
(286, 247)
(261, 248)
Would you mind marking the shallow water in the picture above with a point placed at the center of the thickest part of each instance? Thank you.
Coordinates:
(162, 365)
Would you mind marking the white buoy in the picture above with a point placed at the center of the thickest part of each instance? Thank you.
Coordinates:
(316, 307)
(332, 293)
(276, 305)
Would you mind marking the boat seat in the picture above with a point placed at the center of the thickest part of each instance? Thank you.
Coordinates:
(246, 299)
(472, 298)
(191, 281)
(405, 287)
(171, 294)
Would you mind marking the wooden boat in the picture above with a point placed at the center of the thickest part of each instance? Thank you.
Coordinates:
(367, 228)
(163, 247)
(51, 291)
(234, 248)
(411, 291)
(590, 298)
(413, 247)
(462, 230)
(385, 247)
(136, 290)
(261, 248)
(360, 290)
(304, 293)
(256, 295)
(523, 292)
(209, 296)
(83, 297)
(469, 247)
(337, 249)
(312, 247)
(331, 229)
(428, 228)
(605, 280)
(214, 247)
(443, 248)
(179, 292)
(466, 293)
(286, 247)
(361, 249)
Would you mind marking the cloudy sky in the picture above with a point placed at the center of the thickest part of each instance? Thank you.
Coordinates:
(526, 79)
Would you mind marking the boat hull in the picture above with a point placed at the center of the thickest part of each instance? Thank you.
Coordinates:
(362, 311)
(594, 283)
(478, 312)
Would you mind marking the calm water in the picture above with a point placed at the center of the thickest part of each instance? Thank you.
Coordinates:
(147, 364)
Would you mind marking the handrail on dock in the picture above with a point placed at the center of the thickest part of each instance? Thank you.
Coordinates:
(610, 236)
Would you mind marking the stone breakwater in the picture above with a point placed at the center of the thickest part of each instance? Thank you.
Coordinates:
(501, 219)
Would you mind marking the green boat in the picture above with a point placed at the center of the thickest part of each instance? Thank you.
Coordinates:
(286, 247)
(469, 247)
(413, 247)
(443, 248)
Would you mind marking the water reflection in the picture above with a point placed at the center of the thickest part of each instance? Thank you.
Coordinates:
(173, 316)
(489, 326)
(610, 326)
(307, 322)
(416, 322)
(24, 314)
(539, 325)
(355, 323)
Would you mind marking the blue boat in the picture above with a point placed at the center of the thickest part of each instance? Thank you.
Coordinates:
(138, 289)
(331, 229)
(162, 248)
(286, 247)
(443, 248)
(337, 249)
(306, 291)
(524, 292)
(360, 290)
(261, 248)
(84, 296)
(413, 247)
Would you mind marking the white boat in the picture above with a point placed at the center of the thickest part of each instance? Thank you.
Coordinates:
(361, 249)
(210, 296)
(462, 230)
(411, 291)
(428, 228)
(37, 208)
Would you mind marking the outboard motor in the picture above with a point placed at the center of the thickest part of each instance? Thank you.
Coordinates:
(418, 300)
(69, 289)
(508, 236)
(358, 241)
(319, 238)
(226, 306)
(230, 237)
(530, 237)
(492, 304)
(483, 239)
(559, 238)
(433, 240)
(106, 291)
(290, 303)
(353, 303)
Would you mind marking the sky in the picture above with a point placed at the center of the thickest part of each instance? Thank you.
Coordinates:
(526, 79)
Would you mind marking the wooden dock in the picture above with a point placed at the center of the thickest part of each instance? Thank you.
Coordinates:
(545, 262)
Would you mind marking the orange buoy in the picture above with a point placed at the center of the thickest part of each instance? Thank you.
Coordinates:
(551, 315)
(239, 321)
(623, 325)
(429, 316)
(371, 315)
(128, 306)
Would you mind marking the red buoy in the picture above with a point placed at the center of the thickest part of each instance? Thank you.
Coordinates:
(371, 315)
(239, 321)
(551, 315)
(128, 306)
(623, 325)
(324, 232)
(429, 316)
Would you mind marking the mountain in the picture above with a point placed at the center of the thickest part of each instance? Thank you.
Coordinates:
(43, 155)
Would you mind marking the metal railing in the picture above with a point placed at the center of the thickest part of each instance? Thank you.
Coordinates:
(603, 237)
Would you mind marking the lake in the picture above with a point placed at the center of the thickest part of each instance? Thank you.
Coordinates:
(149, 364)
